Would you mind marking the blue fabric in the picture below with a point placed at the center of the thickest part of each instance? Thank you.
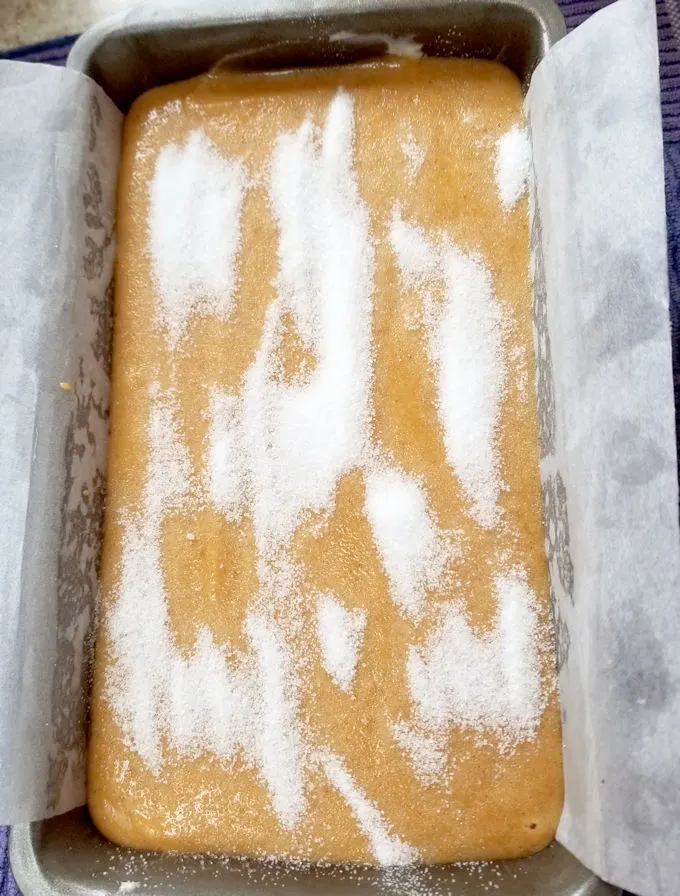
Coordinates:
(575, 11)
(53, 51)
(8, 886)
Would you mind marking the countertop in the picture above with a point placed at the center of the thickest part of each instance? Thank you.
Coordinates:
(30, 21)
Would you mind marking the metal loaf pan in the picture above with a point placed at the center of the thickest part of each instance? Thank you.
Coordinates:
(66, 856)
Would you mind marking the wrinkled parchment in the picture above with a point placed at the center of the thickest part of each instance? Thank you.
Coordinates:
(608, 443)
(59, 143)
(605, 402)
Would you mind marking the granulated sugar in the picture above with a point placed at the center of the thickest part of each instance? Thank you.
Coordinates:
(412, 550)
(425, 748)
(490, 681)
(290, 443)
(340, 633)
(512, 166)
(413, 153)
(279, 742)
(137, 624)
(386, 846)
(465, 340)
(467, 347)
(226, 459)
(418, 256)
(210, 701)
(194, 231)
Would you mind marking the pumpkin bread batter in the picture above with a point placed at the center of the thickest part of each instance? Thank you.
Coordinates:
(324, 598)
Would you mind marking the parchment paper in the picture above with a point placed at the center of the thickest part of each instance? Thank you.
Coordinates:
(608, 443)
(605, 401)
(59, 142)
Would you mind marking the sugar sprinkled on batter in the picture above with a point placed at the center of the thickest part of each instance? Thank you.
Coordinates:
(210, 700)
(195, 204)
(340, 634)
(412, 549)
(386, 846)
(290, 443)
(413, 153)
(485, 681)
(465, 341)
(512, 166)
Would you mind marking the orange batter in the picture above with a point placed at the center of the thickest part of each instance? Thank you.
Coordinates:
(424, 136)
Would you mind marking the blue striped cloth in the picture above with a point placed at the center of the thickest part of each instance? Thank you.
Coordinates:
(575, 12)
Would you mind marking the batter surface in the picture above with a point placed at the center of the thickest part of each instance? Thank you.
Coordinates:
(324, 597)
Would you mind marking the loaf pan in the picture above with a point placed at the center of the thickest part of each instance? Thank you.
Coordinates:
(66, 856)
